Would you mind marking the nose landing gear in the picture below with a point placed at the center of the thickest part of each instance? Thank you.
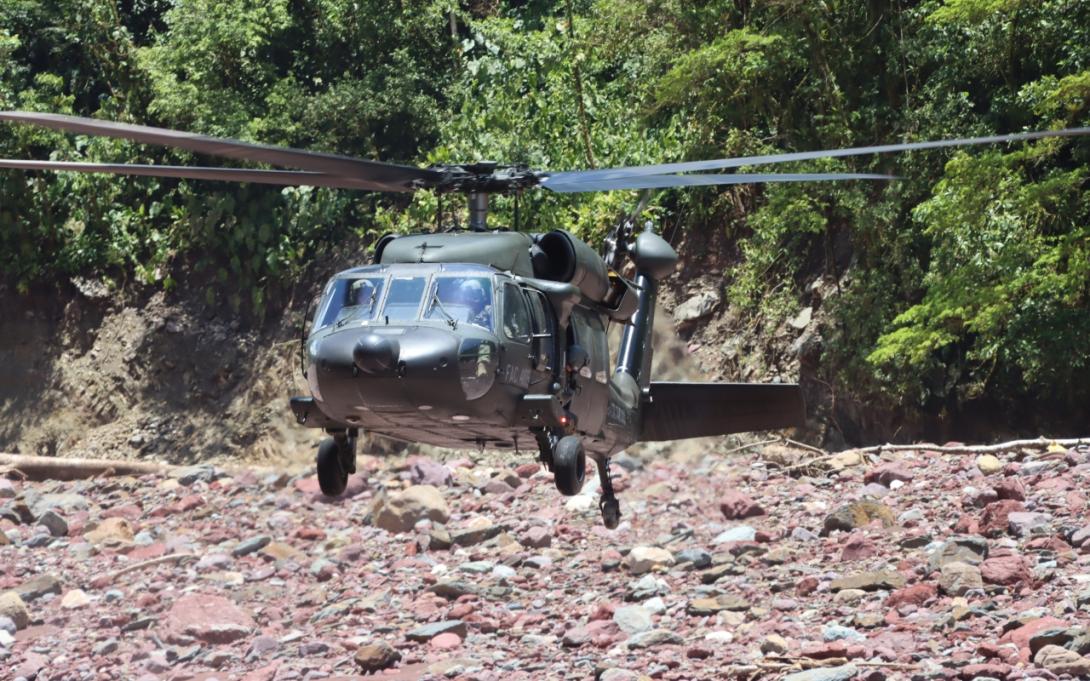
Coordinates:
(336, 460)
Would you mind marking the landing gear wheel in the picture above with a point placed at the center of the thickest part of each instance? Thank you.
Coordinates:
(569, 465)
(611, 513)
(332, 477)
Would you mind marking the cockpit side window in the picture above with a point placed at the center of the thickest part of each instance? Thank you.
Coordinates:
(352, 298)
(461, 299)
(516, 318)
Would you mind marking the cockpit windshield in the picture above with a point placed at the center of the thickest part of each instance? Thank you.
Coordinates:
(451, 298)
(352, 299)
(461, 300)
(404, 300)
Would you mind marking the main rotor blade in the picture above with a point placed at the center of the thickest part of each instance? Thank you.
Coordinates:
(377, 176)
(276, 177)
(694, 166)
(581, 183)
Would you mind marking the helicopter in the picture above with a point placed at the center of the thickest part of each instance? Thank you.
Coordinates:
(494, 337)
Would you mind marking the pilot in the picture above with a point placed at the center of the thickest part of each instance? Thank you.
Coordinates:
(358, 299)
(472, 295)
(362, 292)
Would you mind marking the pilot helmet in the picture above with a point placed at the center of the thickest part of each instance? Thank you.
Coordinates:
(471, 293)
(360, 292)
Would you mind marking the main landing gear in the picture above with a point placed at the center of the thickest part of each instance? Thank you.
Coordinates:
(567, 459)
(336, 460)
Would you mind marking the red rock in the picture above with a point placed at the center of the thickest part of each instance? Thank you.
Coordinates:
(886, 473)
(994, 521)
(147, 552)
(460, 611)
(266, 673)
(807, 585)
(824, 651)
(967, 524)
(762, 537)
(603, 612)
(189, 502)
(446, 641)
(858, 546)
(1075, 502)
(735, 505)
(1006, 570)
(130, 512)
(698, 653)
(917, 594)
(1024, 633)
(308, 486)
(205, 617)
(310, 533)
(537, 537)
(1010, 488)
(1007, 653)
(527, 470)
(146, 600)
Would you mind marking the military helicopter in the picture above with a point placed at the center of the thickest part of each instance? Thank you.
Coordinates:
(492, 337)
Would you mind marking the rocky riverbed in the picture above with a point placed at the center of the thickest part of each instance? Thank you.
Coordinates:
(771, 562)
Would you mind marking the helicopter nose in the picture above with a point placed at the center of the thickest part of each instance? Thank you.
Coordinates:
(375, 354)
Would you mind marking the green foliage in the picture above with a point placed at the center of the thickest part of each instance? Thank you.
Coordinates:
(1006, 293)
(965, 280)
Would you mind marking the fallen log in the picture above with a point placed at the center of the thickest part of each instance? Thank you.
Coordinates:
(57, 468)
(1011, 446)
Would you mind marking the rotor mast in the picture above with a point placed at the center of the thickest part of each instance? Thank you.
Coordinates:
(478, 211)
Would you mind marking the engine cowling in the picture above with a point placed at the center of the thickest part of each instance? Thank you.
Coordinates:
(560, 256)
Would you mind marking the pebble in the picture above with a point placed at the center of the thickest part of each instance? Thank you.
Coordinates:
(529, 596)
(734, 505)
(74, 599)
(958, 579)
(841, 673)
(429, 631)
(401, 511)
(858, 514)
(988, 464)
(633, 619)
(734, 534)
(374, 657)
(13, 608)
(697, 559)
(1062, 661)
(654, 638)
(644, 559)
(251, 545)
(57, 525)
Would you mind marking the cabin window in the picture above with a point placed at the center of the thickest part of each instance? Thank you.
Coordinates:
(516, 318)
(461, 299)
(406, 294)
(352, 298)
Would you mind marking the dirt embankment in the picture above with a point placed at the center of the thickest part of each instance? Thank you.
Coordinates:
(147, 376)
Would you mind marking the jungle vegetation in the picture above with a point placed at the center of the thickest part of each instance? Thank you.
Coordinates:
(969, 277)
